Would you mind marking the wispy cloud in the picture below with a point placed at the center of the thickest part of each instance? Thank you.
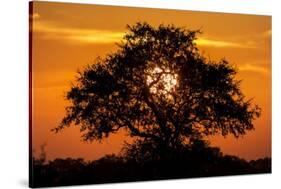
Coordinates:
(222, 44)
(254, 68)
(267, 33)
(80, 35)
(50, 31)
(35, 16)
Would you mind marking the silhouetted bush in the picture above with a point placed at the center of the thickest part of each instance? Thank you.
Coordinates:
(198, 160)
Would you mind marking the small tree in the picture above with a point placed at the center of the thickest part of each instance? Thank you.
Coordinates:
(159, 88)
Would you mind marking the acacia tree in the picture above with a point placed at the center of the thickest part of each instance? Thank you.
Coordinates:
(158, 87)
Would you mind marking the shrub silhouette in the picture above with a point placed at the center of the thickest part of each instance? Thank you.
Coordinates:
(197, 161)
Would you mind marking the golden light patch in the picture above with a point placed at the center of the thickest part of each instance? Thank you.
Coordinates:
(161, 81)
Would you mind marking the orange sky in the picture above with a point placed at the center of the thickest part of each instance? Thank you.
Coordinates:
(66, 37)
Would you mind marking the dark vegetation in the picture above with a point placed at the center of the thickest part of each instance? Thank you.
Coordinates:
(135, 165)
(169, 98)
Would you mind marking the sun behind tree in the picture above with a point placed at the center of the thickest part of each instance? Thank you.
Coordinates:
(161, 90)
(161, 81)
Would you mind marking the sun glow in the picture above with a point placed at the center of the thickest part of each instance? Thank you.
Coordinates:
(161, 81)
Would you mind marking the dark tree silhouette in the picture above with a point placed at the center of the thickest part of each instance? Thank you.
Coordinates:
(160, 89)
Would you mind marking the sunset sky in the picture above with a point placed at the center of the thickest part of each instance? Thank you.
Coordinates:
(67, 37)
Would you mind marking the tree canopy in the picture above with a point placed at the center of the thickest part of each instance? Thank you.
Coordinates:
(159, 87)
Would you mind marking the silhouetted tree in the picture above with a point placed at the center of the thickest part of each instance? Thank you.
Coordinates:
(159, 88)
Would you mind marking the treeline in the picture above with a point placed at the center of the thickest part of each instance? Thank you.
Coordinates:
(199, 161)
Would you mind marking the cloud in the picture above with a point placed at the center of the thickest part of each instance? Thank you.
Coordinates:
(267, 33)
(50, 30)
(78, 35)
(254, 68)
(222, 44)
(35, 16)
(250, 41)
